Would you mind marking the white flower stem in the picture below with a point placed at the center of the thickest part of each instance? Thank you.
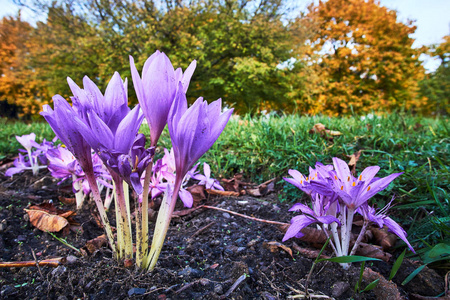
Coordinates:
(123, 219)
(142, 222)
(336, 238)
(79, 196)
(162, 223)
(360, 236)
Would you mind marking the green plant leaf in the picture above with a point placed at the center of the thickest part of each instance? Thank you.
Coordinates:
(397, 265)
(348, 259)
(413, 274)
(371, 286)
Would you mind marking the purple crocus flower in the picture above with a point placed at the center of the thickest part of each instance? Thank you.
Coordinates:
(111, 108)
(309, 216)
(206, 180)
(381, 219)
(194, 130)
(63, 121)
(304, 182)
(112, 134)
(354, 191)
(156, 90)
(20, 165)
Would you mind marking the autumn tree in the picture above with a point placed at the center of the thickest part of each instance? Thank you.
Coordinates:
(365, 58)
(21, 90)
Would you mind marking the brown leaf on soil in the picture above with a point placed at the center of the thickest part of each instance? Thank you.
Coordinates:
(95, 244)
(254, 192)
(353, 160)
(47, 217)
(307, 252)
(383, 237)
(223, 193)
(184, 212)
(197, 192)
(46, 221)
(67, 200)
(273, 247)
(385, 289)
(373, 251)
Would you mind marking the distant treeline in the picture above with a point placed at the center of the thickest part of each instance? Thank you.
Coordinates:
(339, 57)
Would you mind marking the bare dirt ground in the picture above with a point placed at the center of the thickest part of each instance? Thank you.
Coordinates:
(208, 254)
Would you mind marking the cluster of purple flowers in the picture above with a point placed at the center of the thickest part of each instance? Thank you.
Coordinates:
(61, 164)
(105, 123)
(34, 157)
(163, 178)
(336, 196)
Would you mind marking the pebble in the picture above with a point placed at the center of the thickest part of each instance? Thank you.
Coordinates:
(136, 291)
(226, 215)
(3, 225)
(188, 271)
(59, 271)
(240, 249)
(6, 291)
(71, 259)
(339, 288)
(214, 243)
(218, 289)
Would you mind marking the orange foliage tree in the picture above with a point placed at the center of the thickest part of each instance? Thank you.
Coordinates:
(364, 57)
(19, 82)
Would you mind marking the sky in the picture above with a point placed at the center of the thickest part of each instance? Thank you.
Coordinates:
(432, 19)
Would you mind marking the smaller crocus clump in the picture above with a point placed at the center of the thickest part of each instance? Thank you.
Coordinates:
(63, 165)
(336, 196)
(34, 159)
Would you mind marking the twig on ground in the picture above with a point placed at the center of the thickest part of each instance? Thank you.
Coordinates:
(53, 262)
(245, 216)
(202, 229)
(37, 263)
(234, 286)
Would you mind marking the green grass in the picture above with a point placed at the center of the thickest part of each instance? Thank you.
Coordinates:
(8, 143)
(263, 148)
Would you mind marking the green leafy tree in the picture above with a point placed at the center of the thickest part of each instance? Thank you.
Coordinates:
(436, 86)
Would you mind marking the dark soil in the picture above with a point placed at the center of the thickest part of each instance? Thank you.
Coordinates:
(208, 254)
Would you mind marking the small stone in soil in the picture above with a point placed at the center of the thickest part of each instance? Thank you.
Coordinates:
(339, 288)
(59, 271)
(226, 215)
(188, 271)
(136, 291)
(218, 289)
(7, 291)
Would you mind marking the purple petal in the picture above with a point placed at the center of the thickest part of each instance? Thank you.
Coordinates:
(186, 197)
(303, 208)
(188, 75)
(399, 231)
(297, 224)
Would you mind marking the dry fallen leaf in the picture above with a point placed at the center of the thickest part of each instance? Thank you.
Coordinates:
(197, 192)
(273, 247)
(46, 221)
(385, 289)
(47, 217)
(95, 244)
(353, 160)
